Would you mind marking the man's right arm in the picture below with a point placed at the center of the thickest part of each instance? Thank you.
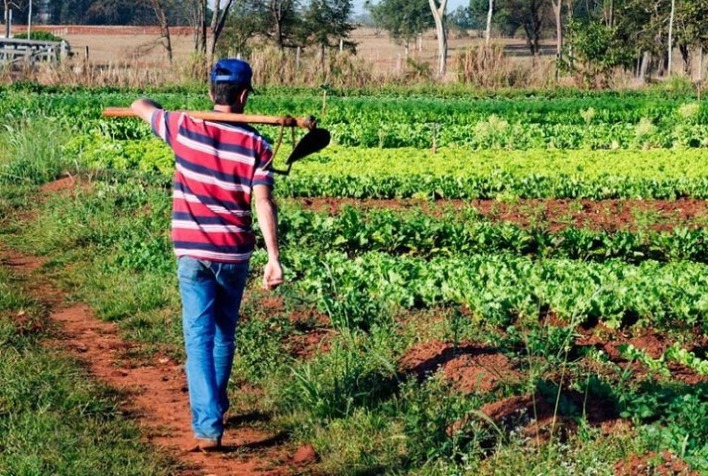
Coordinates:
(144, 108)
(268, 221)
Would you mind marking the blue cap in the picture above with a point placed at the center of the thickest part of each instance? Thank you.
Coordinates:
(232, 71)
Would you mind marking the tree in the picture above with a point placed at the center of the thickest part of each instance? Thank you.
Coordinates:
(596, 51)
(283, 21)
(462, 18)
(529, 14)
(404, 20)
(157, 6)
(691, 30)
(247, 20)
(218, 20)
(437, 7)
(327, 22)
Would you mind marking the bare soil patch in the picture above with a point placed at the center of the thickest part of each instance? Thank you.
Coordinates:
(469, 367)
(607, 215)
(653, 343)
(665, 464)
(154, 388)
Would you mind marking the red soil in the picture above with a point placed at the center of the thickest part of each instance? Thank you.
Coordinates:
(649, 341)
(469, 367)
(609, 215)
(666, 464)
(155, 389)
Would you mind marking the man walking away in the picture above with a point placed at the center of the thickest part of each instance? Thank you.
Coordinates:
(219, 168)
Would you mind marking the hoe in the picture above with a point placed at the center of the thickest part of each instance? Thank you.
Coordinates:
(315, 140)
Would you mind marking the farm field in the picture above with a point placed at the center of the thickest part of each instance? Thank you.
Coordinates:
(487, 285)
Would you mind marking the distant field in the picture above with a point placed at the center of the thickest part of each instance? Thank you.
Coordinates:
(141, 45)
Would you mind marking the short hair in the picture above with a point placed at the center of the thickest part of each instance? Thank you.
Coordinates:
(227, 94)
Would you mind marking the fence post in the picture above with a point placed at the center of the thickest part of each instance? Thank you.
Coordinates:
(64, 50)
(297, 59)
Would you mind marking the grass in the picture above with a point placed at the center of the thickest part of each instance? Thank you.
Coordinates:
(108, 247)
(53, 417)
(392, 423)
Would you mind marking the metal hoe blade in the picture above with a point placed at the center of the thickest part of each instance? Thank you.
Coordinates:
(313, 141)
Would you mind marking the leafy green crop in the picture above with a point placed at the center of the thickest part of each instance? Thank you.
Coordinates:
(417, 234)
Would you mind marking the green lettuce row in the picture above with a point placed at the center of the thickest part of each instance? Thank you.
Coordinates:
(416, 234)
(395, 122)
(494, 133)
(604, 108)
(491, 133)
(495, 186)
(502, 288)
(450, 173)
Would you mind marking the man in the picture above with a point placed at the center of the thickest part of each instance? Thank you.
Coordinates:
(219, 167)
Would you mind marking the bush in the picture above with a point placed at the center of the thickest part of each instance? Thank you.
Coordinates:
(40, 36)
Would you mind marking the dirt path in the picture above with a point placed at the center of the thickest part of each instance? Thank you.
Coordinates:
(154, 388)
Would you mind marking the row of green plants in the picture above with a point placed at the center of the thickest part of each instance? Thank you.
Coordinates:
(604, 108)
(449, 173)
(377, 122)
(500, 288)
(348, 398)
(500, 186)
(354, 231)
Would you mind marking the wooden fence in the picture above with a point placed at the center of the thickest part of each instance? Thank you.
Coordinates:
(31, 51)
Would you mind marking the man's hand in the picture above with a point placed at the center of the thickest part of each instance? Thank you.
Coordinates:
(272, 275)
(144, 108)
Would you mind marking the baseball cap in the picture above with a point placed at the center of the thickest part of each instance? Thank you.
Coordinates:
(232, 71)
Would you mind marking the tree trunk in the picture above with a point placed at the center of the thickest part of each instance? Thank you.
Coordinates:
(164, 27)
(276, 9)
(7, 18)
(557, 7)
(671, 36)
(645, 66)
(218, 20)
(611, 14)
(203, 29)
(537, 26)
(439, 16)
(686, 57)
(488, 33)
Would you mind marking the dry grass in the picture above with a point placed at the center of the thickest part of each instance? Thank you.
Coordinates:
(134, 56)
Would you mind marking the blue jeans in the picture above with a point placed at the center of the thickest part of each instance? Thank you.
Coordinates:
(211, 296)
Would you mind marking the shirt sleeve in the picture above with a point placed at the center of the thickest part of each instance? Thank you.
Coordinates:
(264, 167)
(165, 124)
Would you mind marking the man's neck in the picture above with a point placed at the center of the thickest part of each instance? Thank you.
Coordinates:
(233, 109)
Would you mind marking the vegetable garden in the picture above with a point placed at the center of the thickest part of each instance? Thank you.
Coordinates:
(475, 285)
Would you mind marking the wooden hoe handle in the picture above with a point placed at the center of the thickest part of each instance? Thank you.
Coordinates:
(285, 121)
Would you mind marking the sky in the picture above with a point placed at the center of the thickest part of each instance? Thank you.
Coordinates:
(451, 5)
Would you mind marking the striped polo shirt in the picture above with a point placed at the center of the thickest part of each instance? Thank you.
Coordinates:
(216, 166)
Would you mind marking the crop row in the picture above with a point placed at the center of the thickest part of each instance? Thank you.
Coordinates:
(502, 288)
(604, 108)
(489, 133)
(450, 173)
(416, 234)
(390, 123)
